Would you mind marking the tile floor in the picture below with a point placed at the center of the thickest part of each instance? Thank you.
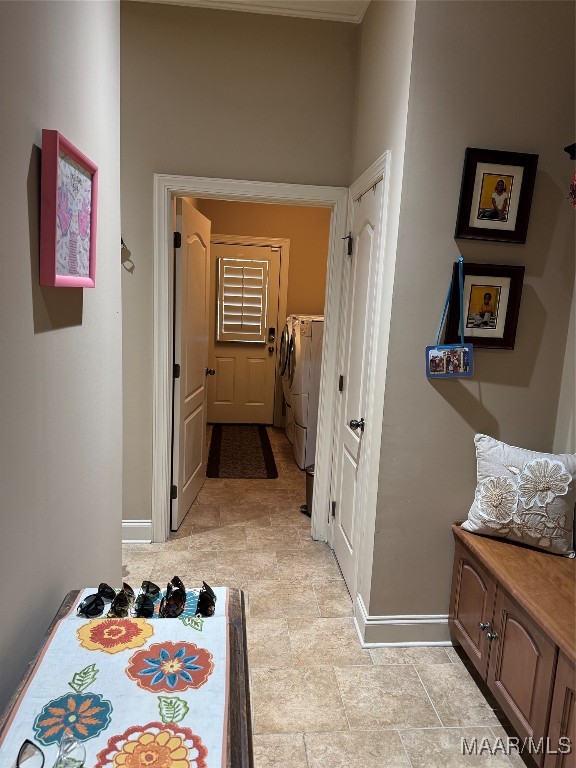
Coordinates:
(319, 700)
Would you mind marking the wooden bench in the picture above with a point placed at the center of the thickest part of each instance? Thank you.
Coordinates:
(513, 612)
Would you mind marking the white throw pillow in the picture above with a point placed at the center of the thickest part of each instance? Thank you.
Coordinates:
(524, 496)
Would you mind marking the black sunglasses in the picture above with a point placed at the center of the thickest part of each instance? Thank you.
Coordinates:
(206, 605)
(29, 756)
(174, 602)
(93, 605)
(144, 605)
(122, 602)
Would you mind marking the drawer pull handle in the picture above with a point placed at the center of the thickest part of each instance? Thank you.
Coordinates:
(483, 625)
(492, 635)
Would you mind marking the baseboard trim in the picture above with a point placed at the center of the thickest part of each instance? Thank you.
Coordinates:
(136, 531)
(400, 631)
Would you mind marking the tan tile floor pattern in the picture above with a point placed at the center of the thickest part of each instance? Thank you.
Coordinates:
(319, 700)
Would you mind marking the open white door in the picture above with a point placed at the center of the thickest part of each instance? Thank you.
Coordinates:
(192, 274)
(358, 322)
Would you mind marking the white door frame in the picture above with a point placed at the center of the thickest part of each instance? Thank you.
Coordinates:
(166, 188)
(282, 245)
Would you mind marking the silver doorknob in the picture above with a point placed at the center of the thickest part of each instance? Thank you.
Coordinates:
(210, 371)
(357, 424)
(483, 625)
(492, 635)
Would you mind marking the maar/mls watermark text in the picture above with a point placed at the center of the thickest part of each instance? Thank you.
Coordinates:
(513, 745)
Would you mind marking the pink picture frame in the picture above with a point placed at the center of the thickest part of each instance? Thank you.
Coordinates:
(68, 214)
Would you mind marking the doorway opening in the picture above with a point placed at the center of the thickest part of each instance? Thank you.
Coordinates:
(290, 243)
(166, 189)
(231, 300)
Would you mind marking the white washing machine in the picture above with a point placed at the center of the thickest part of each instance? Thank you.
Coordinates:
(304, 366)
(283, 372)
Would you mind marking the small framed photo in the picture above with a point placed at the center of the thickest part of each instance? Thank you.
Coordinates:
(496, 195)
(491, 296)
(449, 361)
(69, 193)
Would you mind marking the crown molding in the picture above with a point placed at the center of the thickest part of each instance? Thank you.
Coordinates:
(351, 11)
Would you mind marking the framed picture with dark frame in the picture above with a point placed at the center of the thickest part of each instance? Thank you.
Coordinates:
(69, 192)
(496, 195)
(491, 297)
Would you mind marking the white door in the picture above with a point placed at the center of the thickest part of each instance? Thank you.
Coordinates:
(192, 274)
(357, 325)
(244, 295)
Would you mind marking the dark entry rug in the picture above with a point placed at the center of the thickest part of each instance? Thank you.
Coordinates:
(241, 451)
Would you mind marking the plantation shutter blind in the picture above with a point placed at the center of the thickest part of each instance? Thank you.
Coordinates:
(242, 300)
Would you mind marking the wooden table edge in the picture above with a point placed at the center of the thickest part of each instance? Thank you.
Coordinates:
(239, 747)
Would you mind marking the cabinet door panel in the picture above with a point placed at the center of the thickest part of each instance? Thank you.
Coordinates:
(521, 667)
(472, 603)
(562, 730)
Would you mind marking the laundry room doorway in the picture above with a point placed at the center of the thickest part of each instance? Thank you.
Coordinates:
(298, 236)
(167, 188)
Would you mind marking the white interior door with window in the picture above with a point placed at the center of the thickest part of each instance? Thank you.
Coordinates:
(191, 286)
(359, 308)
(244, 297)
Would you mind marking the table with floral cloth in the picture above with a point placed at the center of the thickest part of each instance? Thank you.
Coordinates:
(139, 693)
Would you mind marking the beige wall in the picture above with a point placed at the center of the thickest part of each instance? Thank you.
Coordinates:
(383, 83)
(383, 79)
(61, 449)
(519, 97)
(217, 94)
(565, 434)
(307, 229)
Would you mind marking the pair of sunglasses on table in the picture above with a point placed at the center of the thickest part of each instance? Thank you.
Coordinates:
(71, 753)
(120, 602)
(174, 601)
(171, 606)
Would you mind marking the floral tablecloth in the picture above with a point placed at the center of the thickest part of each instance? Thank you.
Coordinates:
(138, 693)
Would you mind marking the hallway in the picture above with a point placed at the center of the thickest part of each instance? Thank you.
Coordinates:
(319, 700)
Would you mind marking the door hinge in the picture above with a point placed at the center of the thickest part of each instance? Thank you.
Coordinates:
(333, 509)
(176, 370)
(341, 383)
(177, 240)
(349, 245)
(173, 492)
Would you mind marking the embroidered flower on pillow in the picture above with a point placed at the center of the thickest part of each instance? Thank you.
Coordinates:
(497, 498)
(524, 496)
(541, 481)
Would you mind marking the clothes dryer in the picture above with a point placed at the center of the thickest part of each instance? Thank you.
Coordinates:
(304, 367)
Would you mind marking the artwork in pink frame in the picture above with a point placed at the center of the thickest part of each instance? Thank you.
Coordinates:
(67, 214)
